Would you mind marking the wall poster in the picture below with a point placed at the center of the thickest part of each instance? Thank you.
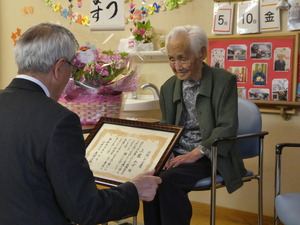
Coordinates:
(265, 65)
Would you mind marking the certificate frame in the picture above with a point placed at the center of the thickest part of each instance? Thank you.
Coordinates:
(119, 149)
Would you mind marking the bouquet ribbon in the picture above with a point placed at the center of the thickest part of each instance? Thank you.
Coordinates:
(73, 94)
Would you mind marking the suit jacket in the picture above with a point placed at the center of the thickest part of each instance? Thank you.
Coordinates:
(216, 107)
(44, 176)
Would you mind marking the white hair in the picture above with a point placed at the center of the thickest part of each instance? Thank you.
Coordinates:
(42, 45)
(196, 35)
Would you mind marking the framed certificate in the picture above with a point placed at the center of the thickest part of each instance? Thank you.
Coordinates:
(118, 150)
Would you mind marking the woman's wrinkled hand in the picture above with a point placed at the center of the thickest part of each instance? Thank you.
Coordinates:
(190, 157)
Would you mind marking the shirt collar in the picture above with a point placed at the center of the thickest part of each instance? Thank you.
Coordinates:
(34, 80)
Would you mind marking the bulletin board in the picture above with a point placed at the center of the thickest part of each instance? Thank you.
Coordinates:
(265, 64)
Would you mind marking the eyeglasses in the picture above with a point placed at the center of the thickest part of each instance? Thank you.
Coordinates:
(67, 61)
(71, 64)
(74, 68)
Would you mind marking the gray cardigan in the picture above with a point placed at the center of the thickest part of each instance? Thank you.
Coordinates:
(217, 115)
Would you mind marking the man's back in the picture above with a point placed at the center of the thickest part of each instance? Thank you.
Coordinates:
(27, 121)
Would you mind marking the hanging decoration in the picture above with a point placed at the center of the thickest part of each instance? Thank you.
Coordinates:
(15, 36)
(223, 18)
(248, 17)
(28, 10)
(68, 12)
(151, 9)
(79, 3)
(269, 16)
(135, 13)
(107, 15)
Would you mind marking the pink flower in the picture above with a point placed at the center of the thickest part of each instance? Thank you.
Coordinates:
(135, 31)
(105, 67)
(117, 57)
(142, 32)
(104, 73)
(98, 68)
(131, 5)
(88, 68)
(105, 58)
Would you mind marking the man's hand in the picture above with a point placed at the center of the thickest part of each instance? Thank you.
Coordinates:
(191, 157)
(146, 185)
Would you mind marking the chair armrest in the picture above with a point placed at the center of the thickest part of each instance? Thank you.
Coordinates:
(242, 136)
(280, 146)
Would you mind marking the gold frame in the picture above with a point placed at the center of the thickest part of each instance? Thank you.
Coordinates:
(118, 149)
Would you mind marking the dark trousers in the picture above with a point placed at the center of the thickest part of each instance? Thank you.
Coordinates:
(171, 205)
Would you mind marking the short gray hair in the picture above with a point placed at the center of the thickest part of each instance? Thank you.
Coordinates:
(196, 35)
(42, 45)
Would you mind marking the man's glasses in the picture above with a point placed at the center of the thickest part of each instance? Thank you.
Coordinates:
(71, 64)
(74, 68)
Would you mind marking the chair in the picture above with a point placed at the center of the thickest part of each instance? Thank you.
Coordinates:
(250, 142)
(287, 205)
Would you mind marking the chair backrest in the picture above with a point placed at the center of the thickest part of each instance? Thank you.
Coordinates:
(249, 122)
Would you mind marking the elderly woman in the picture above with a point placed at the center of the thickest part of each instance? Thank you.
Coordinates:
(203, 100)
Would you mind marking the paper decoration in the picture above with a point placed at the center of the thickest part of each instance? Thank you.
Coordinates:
(135, 13)
(223, 18)
(107, 15)
(151, 9)
(15, 36)
(79, 3)
(28, 10)
(68, 13)
(269, 16)
(248, 17)
(294, 15)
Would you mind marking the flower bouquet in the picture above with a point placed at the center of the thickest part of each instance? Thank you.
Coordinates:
(143, 35)
(142, 31)
(98, 80)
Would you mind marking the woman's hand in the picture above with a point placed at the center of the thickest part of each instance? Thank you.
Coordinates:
(167, 165)
(190, 157)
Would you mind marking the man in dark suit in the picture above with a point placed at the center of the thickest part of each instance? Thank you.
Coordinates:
(45, 178)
